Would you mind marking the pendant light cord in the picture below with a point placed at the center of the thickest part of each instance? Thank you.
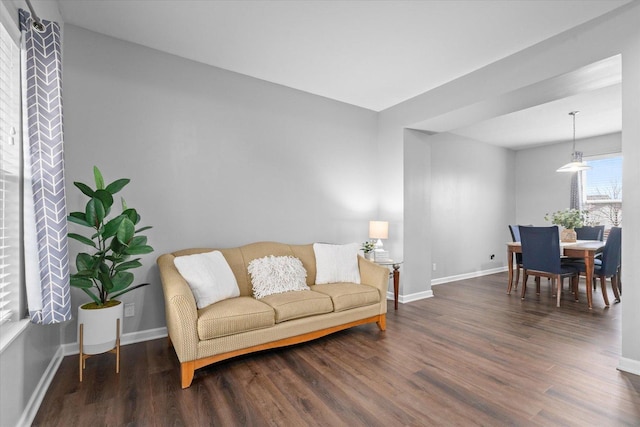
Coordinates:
(573, 114)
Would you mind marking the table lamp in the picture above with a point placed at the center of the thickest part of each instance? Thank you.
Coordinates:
(378, 230)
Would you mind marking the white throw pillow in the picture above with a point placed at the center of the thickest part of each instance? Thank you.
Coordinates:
(209, 277)
(336, 263)
(277, 274)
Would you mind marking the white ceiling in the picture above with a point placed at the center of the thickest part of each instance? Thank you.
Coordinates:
(373, 54)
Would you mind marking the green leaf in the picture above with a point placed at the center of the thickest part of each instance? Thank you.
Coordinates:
(105, 197)
(80, 282)
(90, 274)
(104, 268)
(94, 212)
(111, 228)
(121, 280)
(117, 247)
(129, 265)
(82, 239)
(84, 261)
(107, 284)
(78, 218)
(132, 214)
(117, 185)
(140, 230)
(124, 204)
(86, 190)
(138, 241)
(126, 231)
(139, 250)
(98, 177)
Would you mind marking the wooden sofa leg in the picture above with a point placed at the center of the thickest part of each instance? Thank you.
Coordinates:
(187, 370)
(382, 323)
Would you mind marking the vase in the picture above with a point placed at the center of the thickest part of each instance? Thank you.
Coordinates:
(568, 235)
(99, 332)
(370, 256)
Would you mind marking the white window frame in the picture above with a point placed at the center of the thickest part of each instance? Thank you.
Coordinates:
(11, 186)
(584, 180)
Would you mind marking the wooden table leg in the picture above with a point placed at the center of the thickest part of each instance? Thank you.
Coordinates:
(588, 266)
(510, 266)
(396, 285)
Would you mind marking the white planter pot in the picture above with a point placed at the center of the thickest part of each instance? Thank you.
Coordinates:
(99, 328)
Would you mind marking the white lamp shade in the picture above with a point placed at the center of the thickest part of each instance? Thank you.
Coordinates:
(378, 229)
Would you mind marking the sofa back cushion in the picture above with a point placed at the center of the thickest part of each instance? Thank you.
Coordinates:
(239, 259)
(209, 277)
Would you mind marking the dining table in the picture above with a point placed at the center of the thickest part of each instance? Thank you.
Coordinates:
(585, 249)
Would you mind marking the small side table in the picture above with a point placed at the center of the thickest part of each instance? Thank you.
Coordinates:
(395, 273)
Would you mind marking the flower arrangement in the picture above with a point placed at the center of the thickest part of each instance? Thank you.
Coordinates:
(568, 218)
(368, 247)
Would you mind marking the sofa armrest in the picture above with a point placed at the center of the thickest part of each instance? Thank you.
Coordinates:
(377, 276)
(180, 310)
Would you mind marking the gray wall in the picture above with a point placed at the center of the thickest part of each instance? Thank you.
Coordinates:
(473, 190)
(216, 159)
(454, 187)
(417, 215)
(540, 189)
(22, 365)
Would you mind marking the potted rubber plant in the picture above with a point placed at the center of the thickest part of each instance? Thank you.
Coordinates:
(104, 270)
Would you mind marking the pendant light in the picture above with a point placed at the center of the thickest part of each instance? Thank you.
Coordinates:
(576, 164)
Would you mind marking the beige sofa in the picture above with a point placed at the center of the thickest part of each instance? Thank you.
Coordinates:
(241, 325)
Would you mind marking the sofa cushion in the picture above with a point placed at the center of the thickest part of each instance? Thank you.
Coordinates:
(233, 316)
(277, 274)
(349, 295)
(209, 277)
(336, 263)
(294, 305)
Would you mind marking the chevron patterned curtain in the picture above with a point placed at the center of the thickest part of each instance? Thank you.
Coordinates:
(45, 222)
(575, 201)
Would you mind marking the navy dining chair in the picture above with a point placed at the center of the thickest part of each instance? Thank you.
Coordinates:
(595, 232)
(541, 258)
(515, 237)
(608, 266)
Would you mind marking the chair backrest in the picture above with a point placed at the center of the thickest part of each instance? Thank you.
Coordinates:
(541, 248)
(515, 237)
(515, 232)
(612, 252)
(595, 232)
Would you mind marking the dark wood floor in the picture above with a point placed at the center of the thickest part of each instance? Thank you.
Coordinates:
(470, 356)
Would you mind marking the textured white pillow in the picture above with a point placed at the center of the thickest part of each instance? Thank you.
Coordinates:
(209, 277)
(336, 263)
(277, 274)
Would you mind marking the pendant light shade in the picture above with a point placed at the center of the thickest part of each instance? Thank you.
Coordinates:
(576, 164)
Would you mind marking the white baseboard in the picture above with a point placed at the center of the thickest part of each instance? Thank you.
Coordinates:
(31, 409)
(629, 365)
(130, 338)
(428, 294)
(471, 275)
(40, 391)
(403, 299)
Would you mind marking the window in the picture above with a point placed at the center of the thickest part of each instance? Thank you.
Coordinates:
(602, 190)
(10, 147)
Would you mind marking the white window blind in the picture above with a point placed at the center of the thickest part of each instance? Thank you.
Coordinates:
(9, 177)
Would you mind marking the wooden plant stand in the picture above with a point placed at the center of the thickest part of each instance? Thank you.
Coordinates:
(84, 357)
